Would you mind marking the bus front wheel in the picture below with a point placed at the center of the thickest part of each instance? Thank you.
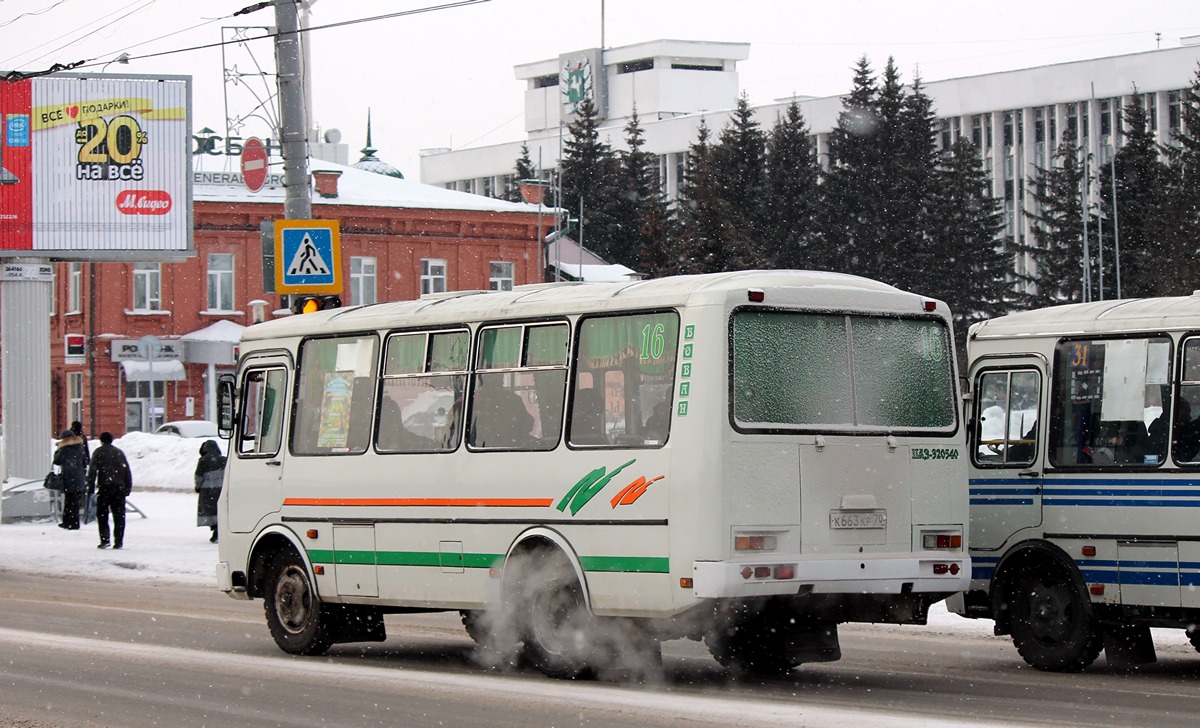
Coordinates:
(1052, 623)
(293, 608)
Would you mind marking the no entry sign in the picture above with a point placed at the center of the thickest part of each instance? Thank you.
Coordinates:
(254, 164)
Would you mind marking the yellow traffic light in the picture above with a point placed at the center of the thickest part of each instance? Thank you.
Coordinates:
(311, 304)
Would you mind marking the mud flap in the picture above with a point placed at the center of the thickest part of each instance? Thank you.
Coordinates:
(813, 643)
(1126, 646)
(354, 624)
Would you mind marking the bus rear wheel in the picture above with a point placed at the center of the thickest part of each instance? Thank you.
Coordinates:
(1052, 623)
(555, 624)
(293, 608)
(1193, 634)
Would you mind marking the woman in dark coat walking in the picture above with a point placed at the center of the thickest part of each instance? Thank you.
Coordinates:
(71, 458)
(210, 474)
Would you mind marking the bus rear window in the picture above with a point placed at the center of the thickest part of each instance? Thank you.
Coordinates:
(838, 371)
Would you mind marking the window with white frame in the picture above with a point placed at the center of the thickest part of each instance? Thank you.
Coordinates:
(147, 287)
(74, 396)
(362, 280)
(500, 275)
(75, 288)
(433, 276)
(220, 282)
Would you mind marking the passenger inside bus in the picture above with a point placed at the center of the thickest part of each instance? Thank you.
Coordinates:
(499, 418)
(587, 418)
(1121, 442)
(1186, 441)
(659, 422)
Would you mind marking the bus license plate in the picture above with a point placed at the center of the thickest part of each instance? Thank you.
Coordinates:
(858, 519)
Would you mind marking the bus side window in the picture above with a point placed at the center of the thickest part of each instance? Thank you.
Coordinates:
(1185, 437)
(1006, 427)
(262, 412)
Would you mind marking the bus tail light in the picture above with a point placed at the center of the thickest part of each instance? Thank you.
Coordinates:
(746, 542)
(941, 541)
(755, 295)
(769, 571)
(951, 568)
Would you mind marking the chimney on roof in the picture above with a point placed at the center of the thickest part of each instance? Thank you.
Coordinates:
(326, 182)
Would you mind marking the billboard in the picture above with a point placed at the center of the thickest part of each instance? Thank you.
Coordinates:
(96, 167)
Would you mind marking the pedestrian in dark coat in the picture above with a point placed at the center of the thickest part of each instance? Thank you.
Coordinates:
(109, 476)
(70, 456)
(210, 474)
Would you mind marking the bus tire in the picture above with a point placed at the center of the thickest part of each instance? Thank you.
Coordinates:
(556, 626)
(472, 620)
(1052, 624)
(1193, 634)
(293, 609)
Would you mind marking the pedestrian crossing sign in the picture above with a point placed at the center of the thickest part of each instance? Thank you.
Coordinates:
(308, 256)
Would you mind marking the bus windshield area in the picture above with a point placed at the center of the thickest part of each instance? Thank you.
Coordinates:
(841, 371)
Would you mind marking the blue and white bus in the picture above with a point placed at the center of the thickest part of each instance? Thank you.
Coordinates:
(1085, 478)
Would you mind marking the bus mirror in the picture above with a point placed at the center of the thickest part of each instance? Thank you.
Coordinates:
(225, 409)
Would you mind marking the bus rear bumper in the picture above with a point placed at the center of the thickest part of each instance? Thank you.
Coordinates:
(778, 574)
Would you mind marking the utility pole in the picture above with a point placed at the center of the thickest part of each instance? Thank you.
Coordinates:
(293, 126)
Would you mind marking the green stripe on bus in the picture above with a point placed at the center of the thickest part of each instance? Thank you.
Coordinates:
(635, 564)
(631, 564)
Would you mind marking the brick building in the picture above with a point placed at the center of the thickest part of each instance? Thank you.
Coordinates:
(399, 239)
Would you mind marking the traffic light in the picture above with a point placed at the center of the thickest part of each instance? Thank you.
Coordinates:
(309, 304)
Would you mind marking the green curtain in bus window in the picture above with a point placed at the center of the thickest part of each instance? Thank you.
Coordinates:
(902, 373)
(500, 348)
(546, 346)
(791, 369)
(448, 351)
(405, 355)
(650, 340)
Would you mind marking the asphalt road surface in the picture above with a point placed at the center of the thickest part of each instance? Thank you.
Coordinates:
(80, 653)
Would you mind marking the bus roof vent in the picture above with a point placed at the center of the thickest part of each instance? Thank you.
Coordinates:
(446, 295)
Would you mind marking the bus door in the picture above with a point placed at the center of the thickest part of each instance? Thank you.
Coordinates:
(1007, 445)
(257, 452)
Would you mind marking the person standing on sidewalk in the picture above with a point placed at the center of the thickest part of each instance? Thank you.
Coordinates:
(71, 457)
(210, 475)
(109, 473)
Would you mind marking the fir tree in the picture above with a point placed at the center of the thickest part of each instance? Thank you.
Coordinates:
(589, 168)
(637, 187)
(852, 184)
(1181, 229)
(1147, 255)
(640, 208)
(1057, 226)
(709, 240)
(522, 170)
(741, 175)
(792, 192)
(913, 192)
(972, 270)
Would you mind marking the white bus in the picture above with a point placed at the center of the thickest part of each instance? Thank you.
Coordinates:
(1085, 478)
(744, 458)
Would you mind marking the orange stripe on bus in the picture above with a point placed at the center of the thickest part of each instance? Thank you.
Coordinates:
(456, 502)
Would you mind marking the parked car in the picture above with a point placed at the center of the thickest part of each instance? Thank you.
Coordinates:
(188, 428)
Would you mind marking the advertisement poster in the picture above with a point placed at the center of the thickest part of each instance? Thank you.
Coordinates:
(335, 410)
(95, 164)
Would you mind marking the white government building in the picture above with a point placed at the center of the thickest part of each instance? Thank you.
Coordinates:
(675, 84)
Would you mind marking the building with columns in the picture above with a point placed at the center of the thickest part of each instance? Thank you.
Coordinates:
(1015, 117)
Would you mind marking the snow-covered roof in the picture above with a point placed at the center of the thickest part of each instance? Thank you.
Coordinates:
(225, 331)
(598, 273)
(217, 178)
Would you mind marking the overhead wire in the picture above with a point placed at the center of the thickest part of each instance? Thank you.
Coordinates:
(97, 61)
